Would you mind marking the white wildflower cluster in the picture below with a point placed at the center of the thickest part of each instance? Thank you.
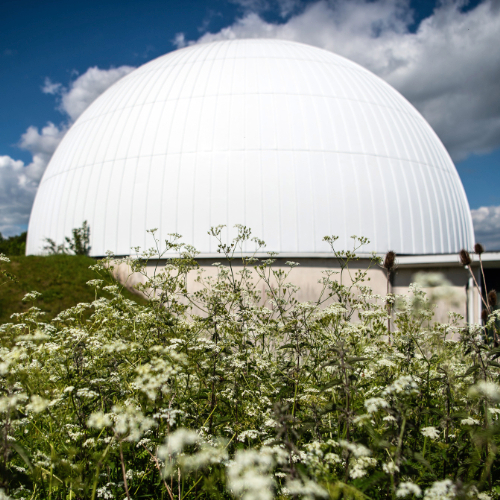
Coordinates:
(99, 419)
(129, 422)
(374, 404)
(489, 390)
(167, 396)
(306, 489)
(359, 466)
(469, 421)
(390, 468)
(248, 434)
(153, 378)
(249, 474)
(31, 296)
(37, 404)
(430, 432)
(441, 490)
(3, 495)
(404, 384)
(407, 488)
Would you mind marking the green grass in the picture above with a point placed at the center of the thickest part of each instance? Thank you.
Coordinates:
(61, 279)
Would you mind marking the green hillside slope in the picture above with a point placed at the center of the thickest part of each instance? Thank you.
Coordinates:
(61, 279)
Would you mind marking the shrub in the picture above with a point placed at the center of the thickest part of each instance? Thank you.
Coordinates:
(13, 245)
(241, 399)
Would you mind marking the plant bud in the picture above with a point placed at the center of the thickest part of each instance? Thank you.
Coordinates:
(390, 260)
(492, 298)
(478, 248)
(465, 257)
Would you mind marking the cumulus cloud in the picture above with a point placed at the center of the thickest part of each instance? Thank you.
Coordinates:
(487, 226)
(448, 68)
(19, 181)
(87, 87)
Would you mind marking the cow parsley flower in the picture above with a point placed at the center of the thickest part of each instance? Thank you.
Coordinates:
(358, 450)
(441, 490)
(374, 404)
(308, 490)
(489, 390)
(99, 420)
(469, 421)
(249, 475)
(177, 441)
(483, 496)
(390, 468)
(430, 432)
(408, 488)
(3, 495)
(37, 404)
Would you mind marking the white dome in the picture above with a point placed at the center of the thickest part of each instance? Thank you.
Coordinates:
(290, 140)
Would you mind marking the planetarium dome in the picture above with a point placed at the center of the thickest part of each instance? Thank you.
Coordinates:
(290, 140)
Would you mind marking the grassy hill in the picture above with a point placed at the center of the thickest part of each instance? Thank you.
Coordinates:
(61, 279)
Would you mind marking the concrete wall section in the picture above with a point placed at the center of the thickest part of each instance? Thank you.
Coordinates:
(460, 297)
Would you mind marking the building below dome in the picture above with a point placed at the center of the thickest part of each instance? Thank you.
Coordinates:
(290, 140)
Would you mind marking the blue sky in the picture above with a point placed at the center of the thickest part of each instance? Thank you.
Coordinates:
(440, 56)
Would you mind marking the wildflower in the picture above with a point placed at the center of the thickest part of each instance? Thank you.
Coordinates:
(104, 493)
(130, 420)
(406, 383)
(359, 466)
(11, 402)
(177, 441)
(390, 468)
(38, 404)
(307, 489)
(483, 496)
(430, 432)
(440, 490)
(489, 390)
(469, 421)
(408, 488)
(249, 475)
(99, 420)
(373, 404)
(3, 495)
(250, 434)
(358, 450)
(31, 296)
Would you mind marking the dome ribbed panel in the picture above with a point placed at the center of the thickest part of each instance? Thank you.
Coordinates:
(290, 140)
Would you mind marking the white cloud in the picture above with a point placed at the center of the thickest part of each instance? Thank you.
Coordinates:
(49, 87)
(487, 226)
(179, 40)
(87, 87)
(19, 182)
(449, 68)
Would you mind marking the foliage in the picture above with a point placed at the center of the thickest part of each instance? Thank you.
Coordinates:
(61, 280)
(213, 393)
(79, 243)
(13, 245)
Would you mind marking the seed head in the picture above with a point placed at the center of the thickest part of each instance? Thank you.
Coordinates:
(492, 298)
(478, 248)
(484, 315)
(465, 257)
(390, 260)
